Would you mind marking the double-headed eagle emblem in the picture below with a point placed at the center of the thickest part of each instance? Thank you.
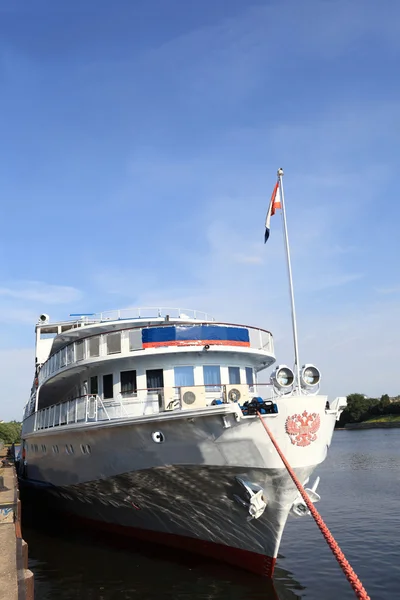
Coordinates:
(303, 428)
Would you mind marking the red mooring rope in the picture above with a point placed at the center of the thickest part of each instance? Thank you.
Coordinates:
(330, 540)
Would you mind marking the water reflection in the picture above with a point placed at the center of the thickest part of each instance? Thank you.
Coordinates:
(70, 563)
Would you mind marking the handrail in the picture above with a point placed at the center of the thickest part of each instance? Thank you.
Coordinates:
(142, 398)
(66, 356)
(158, 324)
(136, 312)
(158, 312)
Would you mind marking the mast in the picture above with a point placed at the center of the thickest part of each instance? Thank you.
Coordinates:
(289, 268)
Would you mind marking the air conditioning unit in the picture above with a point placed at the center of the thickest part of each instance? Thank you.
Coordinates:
(170, 399)
(193, 397)
(237, 393)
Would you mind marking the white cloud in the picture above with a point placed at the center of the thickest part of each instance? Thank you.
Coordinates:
(38, 291)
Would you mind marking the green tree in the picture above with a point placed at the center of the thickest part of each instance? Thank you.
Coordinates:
(385, 400)
(358, 408)
(10, 433)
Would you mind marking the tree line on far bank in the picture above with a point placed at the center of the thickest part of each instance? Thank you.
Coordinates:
(360, 408)
(10, 433)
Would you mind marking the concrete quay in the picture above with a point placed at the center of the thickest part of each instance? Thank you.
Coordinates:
(16, 580)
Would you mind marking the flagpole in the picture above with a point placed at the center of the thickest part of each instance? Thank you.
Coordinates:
(289, 268)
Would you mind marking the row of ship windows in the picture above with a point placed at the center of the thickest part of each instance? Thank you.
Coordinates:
(89, 348)
(113, 343)
(183, 377)
(69, 449)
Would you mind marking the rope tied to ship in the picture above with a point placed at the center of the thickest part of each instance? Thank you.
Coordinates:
(334, 546)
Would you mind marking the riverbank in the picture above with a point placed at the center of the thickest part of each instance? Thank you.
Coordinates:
(16, 581)
(373, 425)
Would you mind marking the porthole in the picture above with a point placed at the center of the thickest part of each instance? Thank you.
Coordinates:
(158, 437)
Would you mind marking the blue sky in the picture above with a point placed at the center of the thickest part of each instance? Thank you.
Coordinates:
(139, 147)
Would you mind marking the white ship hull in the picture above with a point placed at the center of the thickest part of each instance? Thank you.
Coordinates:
(186, 490)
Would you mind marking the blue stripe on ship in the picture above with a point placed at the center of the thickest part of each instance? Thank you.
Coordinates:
(156, 335)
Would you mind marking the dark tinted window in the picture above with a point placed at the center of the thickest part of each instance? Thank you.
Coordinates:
(108, 391)
(128, 383)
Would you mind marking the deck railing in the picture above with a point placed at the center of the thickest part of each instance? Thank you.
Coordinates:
(144, 312)
(124, 343)
(90, 408)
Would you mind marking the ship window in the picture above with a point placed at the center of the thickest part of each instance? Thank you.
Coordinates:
(113, 343)
(70, 354)
(128, 383)
(249, 376)
(79, 350)
(135, 339)
(184, 376)
(94, 346)
(94, 385)
(155, 379)
(63, 357)
(108, 386)
(234, 375)
(212, 378)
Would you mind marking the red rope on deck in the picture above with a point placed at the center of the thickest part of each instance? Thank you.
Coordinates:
(340, 557)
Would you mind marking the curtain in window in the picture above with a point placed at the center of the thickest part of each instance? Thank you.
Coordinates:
(184, 376)
(249, 376)
(212, 377)
(155, 378)
(234, 375)
(128, 383)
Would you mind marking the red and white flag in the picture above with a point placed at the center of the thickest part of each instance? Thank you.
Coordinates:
(274, 204)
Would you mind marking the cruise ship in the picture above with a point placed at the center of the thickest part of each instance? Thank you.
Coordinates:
(146, 422)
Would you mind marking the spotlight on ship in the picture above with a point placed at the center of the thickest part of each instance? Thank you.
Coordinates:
(44, 318)
(282, 378)
(310, 377)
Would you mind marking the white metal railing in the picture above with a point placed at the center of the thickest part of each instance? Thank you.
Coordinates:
(124, 342)
(154, 312)
(144, 312)
(91, 408)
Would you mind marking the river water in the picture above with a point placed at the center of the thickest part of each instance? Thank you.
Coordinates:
(360, 489)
